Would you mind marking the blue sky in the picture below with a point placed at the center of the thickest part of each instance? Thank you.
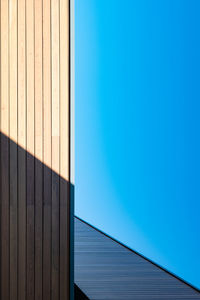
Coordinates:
(137, 124)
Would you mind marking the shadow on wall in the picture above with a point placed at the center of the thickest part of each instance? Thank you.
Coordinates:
(36, 243)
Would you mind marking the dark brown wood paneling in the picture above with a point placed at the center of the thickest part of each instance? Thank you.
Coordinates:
(36, 214)
(5, 261)
(30, 227)
(13, 220)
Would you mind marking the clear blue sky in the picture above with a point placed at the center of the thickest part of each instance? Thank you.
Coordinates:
(137, 123)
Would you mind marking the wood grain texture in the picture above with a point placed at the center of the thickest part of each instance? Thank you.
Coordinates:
(38, 150)
(47, 149)
(4, 158)
(64, 144)
(35, 189)
(104, 269)
(13, 147)
(55, 48)
(21, 153)
(30, 82)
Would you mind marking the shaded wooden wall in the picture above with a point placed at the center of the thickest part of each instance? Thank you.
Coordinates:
(35, 150)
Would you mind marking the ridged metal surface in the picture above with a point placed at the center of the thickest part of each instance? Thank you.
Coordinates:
(107, 270)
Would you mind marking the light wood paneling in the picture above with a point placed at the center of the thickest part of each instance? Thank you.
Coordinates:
(36, 214)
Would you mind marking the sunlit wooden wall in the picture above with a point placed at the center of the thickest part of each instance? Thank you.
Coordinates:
(35, 150)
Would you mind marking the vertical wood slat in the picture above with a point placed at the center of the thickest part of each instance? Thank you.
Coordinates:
(13, 147)
(21, 150)
(30, 60)
(47, 149)
(64, 146)
(34, 157)
(55, 148)
(4, 161)
(38, 150)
